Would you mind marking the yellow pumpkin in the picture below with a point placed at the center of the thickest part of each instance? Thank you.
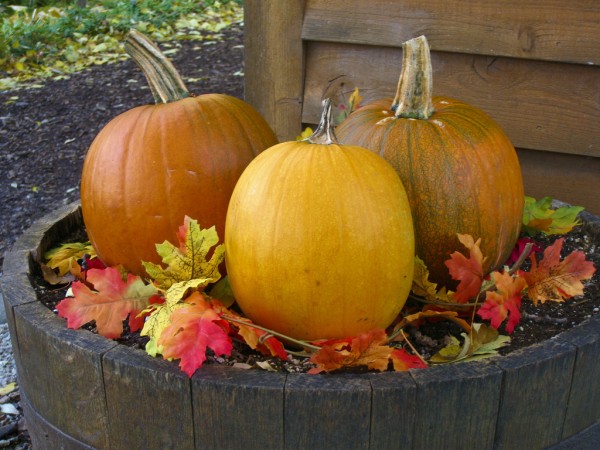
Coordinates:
(319, 239)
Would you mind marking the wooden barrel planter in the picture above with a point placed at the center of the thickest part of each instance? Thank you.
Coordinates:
(80, 390)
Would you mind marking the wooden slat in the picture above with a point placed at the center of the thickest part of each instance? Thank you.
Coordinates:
(555, 30)
(273, 59)
(584, 397)
(336, 410)
(147, 397)
(570, 178)
(536, 380)
(392, 410)
(540, 105)
(61, 372)
(466, 417)
(238, 409)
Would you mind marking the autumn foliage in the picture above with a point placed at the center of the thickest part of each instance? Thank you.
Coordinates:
(187, 311)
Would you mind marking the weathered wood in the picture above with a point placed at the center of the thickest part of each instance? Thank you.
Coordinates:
(584, 397)
(456, 406)
(273, 62)
(535, 392)
(61, 373)
(588, 439)
(555, 31)
(149, 401)
(323, 412)
(43, 434)
(571, 178)
(540, 105)
(392, 410)
(238, 409)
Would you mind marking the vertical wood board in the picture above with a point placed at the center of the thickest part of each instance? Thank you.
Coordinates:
(238, 409)
(552, 30)
(535, 393)
(61, 372)
(149, 401)
(323, 412)
(456, 406)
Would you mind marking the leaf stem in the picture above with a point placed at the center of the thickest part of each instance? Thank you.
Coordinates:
(304, 344)
(412, 347)
(522, 257)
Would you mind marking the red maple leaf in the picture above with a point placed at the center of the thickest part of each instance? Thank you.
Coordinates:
(554, 280)
(469, 271)
(402, 360)
(111, 301)
(194, 328)
(504, 302)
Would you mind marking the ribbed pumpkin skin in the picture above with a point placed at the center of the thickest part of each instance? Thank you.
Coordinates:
(154, 164)
(319, 241)
(460, 171)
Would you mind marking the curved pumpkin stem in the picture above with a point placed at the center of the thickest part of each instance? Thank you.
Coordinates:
(164, 80)
(413, 95)
(325, 132)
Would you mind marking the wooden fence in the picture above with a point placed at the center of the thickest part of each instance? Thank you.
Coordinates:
(533, 65)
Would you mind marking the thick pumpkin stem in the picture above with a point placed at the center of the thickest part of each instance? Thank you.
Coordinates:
(413, 95)
(325, 132)
(164, 80)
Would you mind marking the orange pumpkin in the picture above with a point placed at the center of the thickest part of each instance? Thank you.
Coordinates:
(154, 164)
(460, 170)
(319, 240)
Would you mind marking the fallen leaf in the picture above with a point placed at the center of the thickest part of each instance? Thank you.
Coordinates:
(538, 216)
(504, 302)
(469, 271)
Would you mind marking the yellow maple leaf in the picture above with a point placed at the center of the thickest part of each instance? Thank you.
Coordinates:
(188, 262)
(422, 287)
(64, 257)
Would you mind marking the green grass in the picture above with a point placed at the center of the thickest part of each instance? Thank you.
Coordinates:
(57, 38)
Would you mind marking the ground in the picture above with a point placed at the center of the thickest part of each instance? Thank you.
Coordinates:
(45, 133)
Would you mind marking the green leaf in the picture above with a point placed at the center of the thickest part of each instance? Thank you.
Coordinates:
(538, 216)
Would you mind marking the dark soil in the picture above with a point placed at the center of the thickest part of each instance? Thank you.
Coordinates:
(45, 133)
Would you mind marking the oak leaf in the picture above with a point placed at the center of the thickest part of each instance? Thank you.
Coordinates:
(504, 302)
(551, 279)
(111, 301)
(469, 271)
(194, 328)
(188, 261)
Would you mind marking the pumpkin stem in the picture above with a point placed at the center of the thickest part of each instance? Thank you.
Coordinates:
(413, 95)
(325, 132)
(164, 80)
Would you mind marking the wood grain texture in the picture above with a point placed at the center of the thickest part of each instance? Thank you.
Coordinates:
(456, 406)
(324, 412)
(573, 179)
(555, 31)
(540, 105)
(238, 409)
(61, 373)
(149, 401)
(273, 62)
(535, 392)
(394, 401)
(584, 397)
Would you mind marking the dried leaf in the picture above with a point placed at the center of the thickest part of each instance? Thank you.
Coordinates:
(111, 301)
(468, 271)
(194, 328)
(189, 260)
(538, 216)
(504, 302)
(422, 287)
(554, 280)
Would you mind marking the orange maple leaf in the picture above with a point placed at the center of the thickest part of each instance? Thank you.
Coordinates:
(366, 349)
(194, 328)
(111, 301)
(554, 280)
(402, 361)
(504, 302)
(469, 271)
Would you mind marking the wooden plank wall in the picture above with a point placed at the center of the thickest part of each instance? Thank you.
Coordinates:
(533, 65)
